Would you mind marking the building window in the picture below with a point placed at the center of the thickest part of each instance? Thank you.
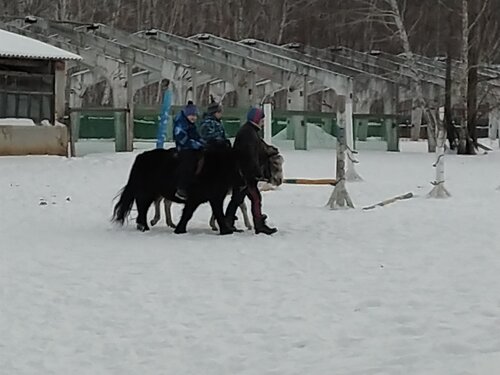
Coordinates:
(26, 91)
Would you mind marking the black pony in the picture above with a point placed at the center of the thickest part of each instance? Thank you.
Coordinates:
(155, 174)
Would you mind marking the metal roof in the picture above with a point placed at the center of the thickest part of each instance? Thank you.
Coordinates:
(20, 46)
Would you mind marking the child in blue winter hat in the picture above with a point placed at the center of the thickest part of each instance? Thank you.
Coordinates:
(189, 145)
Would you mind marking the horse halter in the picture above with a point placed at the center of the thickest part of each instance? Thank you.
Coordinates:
(272, 164)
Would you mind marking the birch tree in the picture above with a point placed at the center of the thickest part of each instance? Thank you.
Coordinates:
(389, 14)
(471, 17)
(464, 145)
(62, 10)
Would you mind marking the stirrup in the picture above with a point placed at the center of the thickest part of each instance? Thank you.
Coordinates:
(180, 196)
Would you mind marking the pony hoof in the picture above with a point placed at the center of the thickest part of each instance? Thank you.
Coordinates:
(180, 231)
(153, 223)
(226, 232)
(142, 228)
(214, 229)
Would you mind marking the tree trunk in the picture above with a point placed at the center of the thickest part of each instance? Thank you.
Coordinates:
(448, 120)
(465, 145)
(79, 11)
(448, 113)
(472, 101)
(62, 10)
(239, 19)
(283, 22)
(472, 77)
(432, 128)
(340, 197)
(412, 63)
(439, 190)
(138, 10)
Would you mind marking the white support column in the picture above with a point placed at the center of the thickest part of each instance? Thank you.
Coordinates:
(293, 103)
(416, 120)
(328, 106)
(120, 101)
(268, 123)
(129, 122)
(494, 125)
(194, 86)
(246, 90)
(79, 83)
(77, 90)
(180, 91)
(297, 129)
(220, 89)
(328, 100)
(301, 130)
(391, 123)
(351, 174)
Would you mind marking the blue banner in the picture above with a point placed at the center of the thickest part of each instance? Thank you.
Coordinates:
(162, 124)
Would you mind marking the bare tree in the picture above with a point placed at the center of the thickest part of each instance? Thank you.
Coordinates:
(390, 15)
(464, 72)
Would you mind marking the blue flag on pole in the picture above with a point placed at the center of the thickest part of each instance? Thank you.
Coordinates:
(162, 124)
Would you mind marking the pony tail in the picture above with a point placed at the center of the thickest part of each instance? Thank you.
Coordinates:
(127, 195)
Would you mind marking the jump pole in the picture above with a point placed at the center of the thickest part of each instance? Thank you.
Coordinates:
(308, 181)
(389, 201)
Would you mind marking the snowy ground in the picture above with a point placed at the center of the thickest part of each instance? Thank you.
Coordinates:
(406, 289)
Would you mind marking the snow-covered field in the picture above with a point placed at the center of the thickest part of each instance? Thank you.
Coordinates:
(411, 288)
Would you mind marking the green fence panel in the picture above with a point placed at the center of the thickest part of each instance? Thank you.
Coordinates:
(146, 128)
(278, 125)
(100, 126)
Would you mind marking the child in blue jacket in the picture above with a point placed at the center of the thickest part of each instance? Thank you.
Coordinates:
(189, 145)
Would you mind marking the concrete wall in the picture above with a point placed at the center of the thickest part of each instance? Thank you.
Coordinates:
(33, 140)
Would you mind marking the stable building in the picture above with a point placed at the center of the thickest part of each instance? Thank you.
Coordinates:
(32, 93)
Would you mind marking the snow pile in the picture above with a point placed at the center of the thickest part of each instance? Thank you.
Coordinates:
(26, 122)
(280, 136)
(316, 137)
(17, 121)
(405, 289)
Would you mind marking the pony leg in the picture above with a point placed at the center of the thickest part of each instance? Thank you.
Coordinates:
(143, 204)
(244, 211)
(187, 214)
(212, 222)
(218, 211)
(168, 213)
(157, 216)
